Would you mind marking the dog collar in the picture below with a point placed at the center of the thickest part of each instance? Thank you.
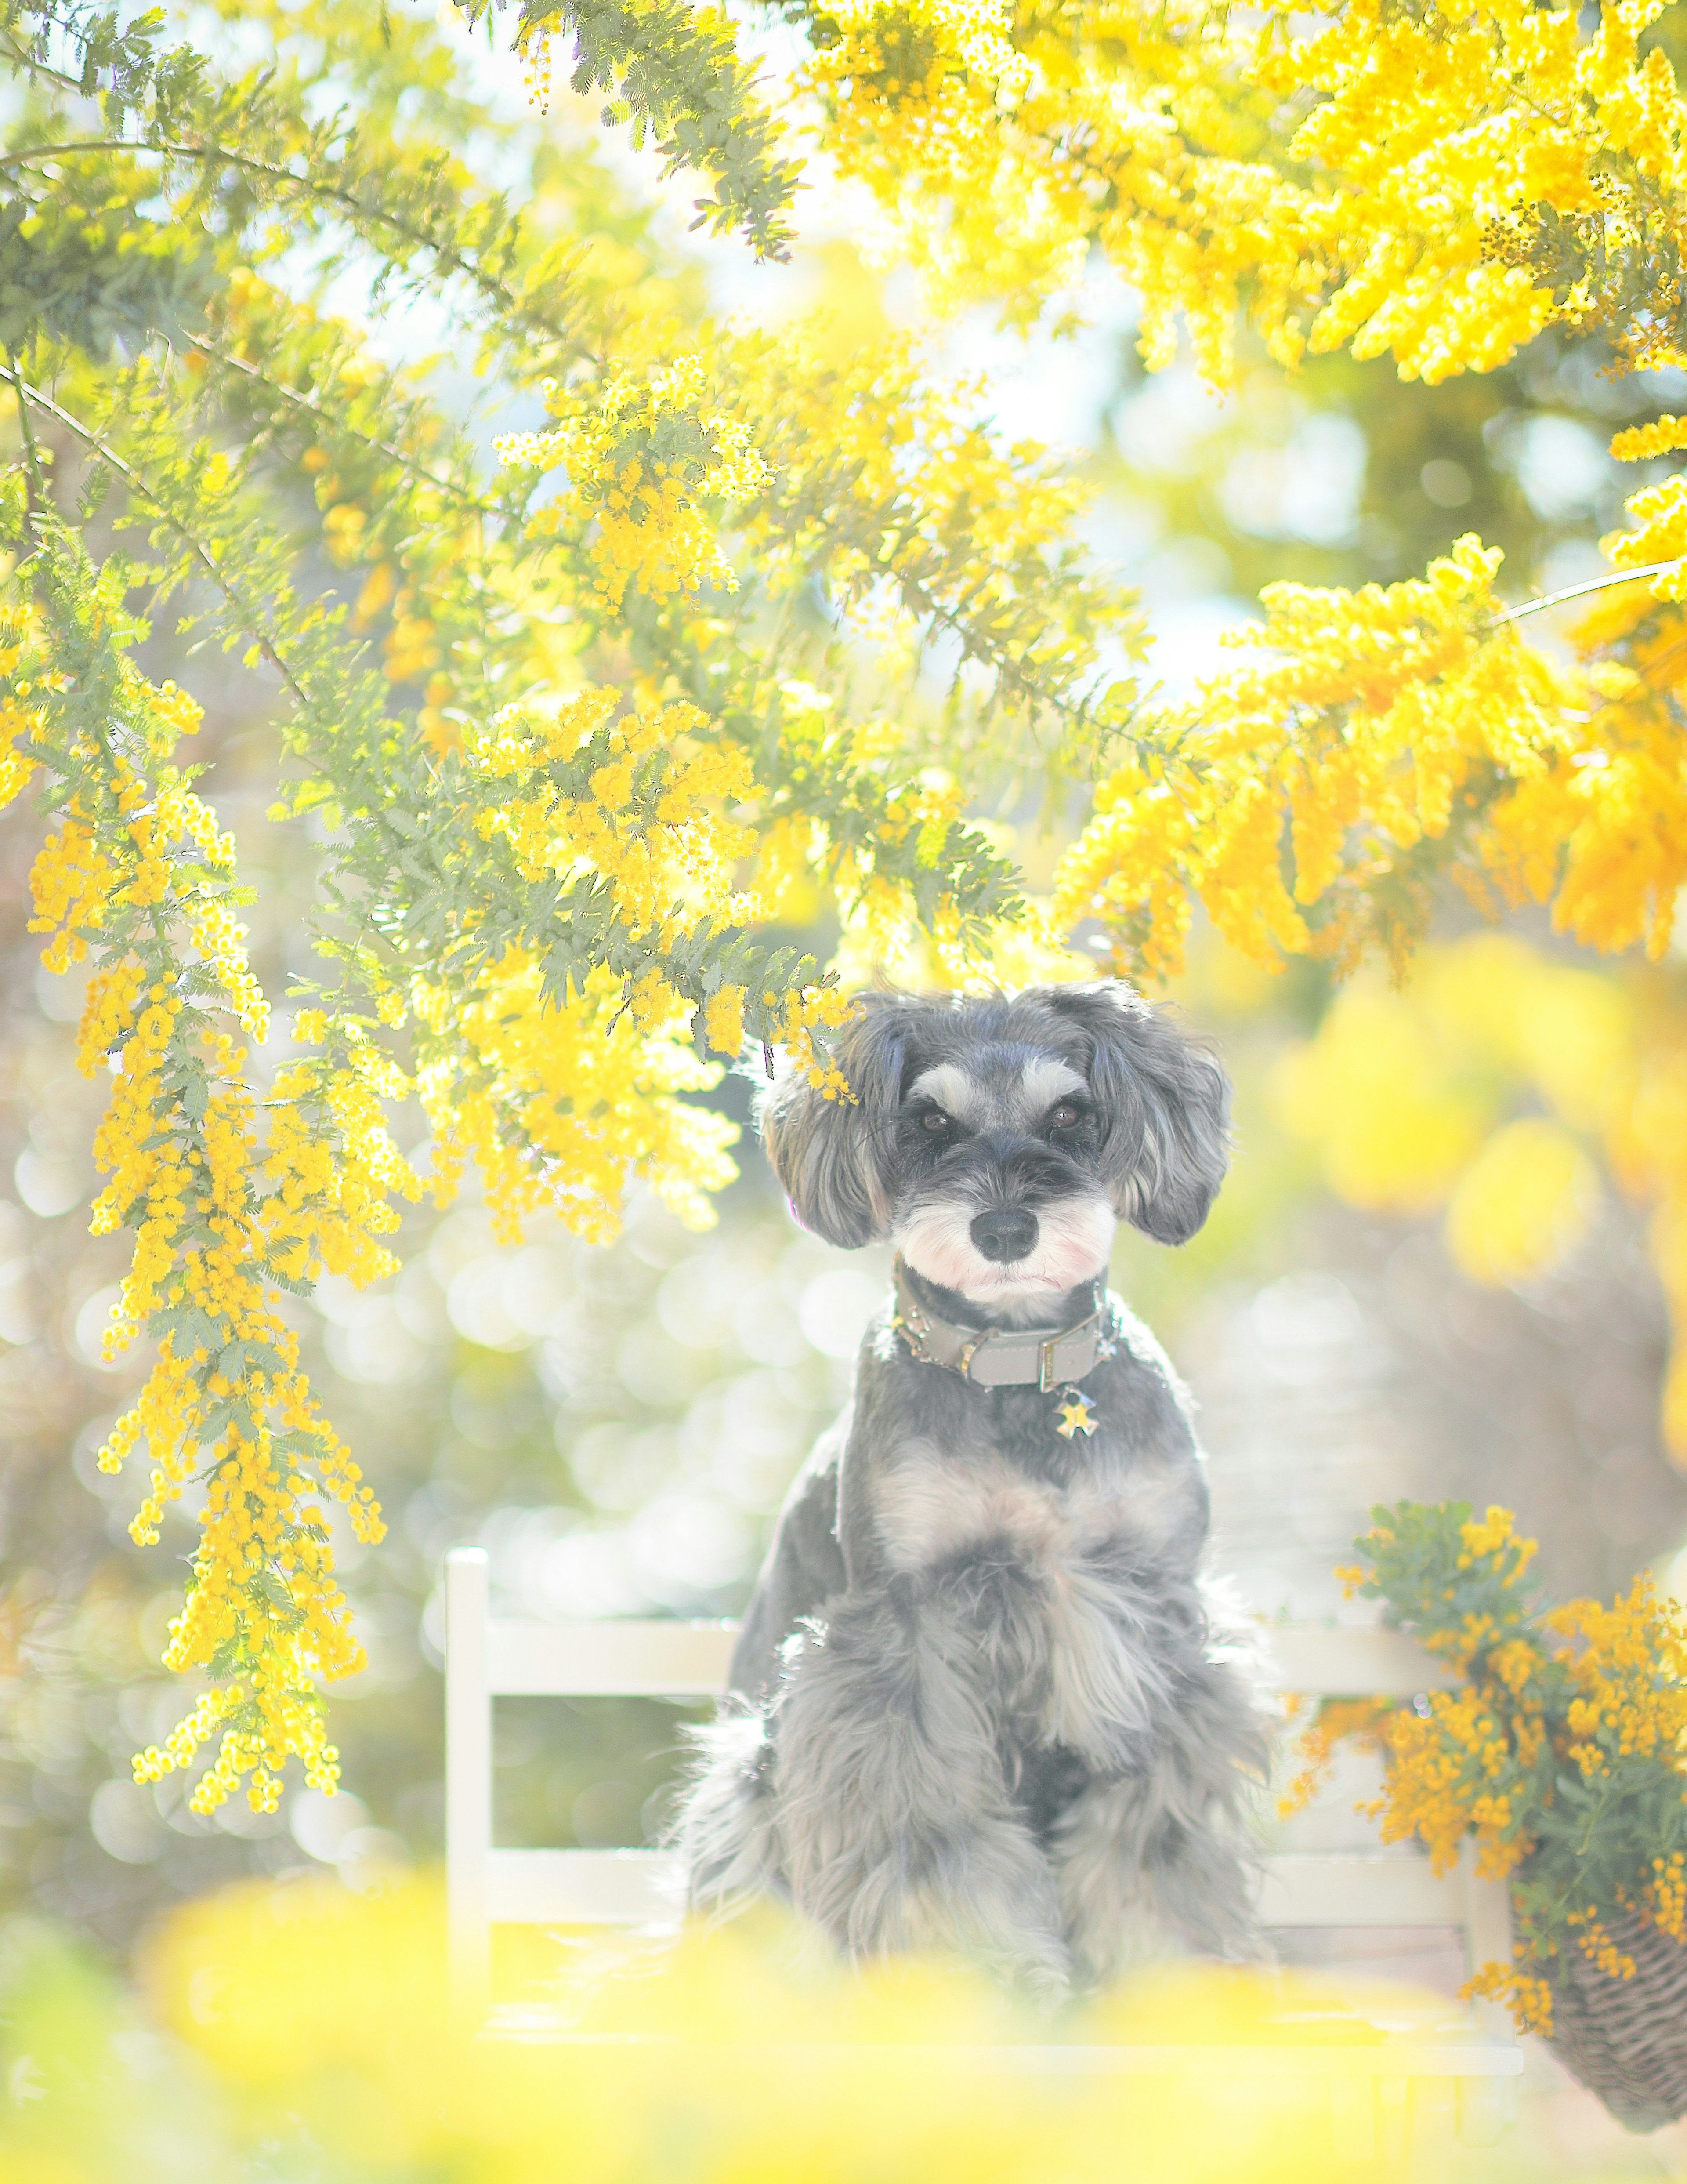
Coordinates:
(1046, 1357)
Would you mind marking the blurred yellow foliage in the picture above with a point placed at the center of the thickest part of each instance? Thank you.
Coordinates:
(1523, 1203)
(1374, 1090)
(1500, 1084)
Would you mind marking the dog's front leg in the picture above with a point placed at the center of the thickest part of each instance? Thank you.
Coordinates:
(894, 1819)
(1154, 1862)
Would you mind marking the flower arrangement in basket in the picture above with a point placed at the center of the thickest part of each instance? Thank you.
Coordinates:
(1562, 1749)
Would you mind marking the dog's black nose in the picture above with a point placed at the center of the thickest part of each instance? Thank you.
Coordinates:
(1005, 1232)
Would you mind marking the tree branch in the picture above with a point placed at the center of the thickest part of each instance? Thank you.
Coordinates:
(310, 404)
(444, 253)
(31, 66)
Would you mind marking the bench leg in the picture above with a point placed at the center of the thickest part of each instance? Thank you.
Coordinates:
(1487, 2110)
(468, 1777)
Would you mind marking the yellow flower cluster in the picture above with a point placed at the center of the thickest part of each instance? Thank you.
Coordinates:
(806, 1012)
(262, 1597)
(333, 1167)
(723, 1022)
(897, 477)
(17, 718)
(1439, 1765)
(1528, 1997)
(1378, 742)
(652, 823)
(641, 457)
(1593, 1938)
(68, 883)
(1438, 183)
(1629, 1663)
(1485, 1537)
(1335, 1721)
(1594, 1694)
(290, 1722)
(141, 867)
(1667, 1895)
(1358, 735)
(561, 1104)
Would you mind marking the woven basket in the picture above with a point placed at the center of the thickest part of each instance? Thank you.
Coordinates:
(1626, 2040)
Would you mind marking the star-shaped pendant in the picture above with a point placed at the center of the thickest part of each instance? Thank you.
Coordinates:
(1075, 1416)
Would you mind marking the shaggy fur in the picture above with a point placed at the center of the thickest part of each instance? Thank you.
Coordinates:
(978, 1700)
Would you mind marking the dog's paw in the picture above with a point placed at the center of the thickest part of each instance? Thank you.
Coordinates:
(1044, 1981)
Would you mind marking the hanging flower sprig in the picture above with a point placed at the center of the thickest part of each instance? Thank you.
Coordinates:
(139, 880)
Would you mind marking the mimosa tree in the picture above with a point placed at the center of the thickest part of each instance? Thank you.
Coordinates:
(572, 725)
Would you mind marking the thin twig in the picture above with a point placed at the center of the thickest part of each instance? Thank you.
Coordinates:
(309, 403)
(200, 553)
(1581, 591)
(35, 67)
(32, 456)
(329, 193)
(32, 154)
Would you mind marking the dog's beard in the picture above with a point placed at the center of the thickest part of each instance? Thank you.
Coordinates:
(1074, 1238)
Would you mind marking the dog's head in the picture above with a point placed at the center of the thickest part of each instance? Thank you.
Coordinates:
(997, 1142)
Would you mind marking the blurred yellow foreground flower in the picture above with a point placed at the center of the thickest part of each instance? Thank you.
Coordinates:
(299, 2035)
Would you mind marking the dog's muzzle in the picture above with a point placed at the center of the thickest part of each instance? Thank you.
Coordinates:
(1046, 1357)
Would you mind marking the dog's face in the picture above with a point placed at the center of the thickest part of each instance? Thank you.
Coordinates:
(998, 1192)
(997, 1142)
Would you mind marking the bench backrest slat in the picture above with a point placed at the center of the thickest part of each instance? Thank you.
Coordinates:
(689, 1660)
(609, 1660)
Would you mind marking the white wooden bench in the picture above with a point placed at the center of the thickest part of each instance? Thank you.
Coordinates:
(488, 1659)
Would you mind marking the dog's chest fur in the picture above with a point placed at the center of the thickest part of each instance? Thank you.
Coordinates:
(979, 1492)
(933, 1504)
(940, 1469)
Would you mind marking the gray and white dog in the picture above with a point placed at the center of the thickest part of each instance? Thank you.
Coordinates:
(979, 1700)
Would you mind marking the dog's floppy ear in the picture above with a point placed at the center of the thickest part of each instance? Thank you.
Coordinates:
(832, 1155)
(1164, 1103)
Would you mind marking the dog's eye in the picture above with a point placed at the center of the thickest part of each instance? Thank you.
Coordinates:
(1065, 1116)
(937, 1121)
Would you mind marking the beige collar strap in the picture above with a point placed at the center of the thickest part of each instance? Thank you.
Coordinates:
(1046, 1357)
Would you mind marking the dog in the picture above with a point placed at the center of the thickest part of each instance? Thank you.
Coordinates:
(979, 1700)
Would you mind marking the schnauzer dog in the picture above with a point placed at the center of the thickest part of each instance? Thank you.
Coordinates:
(979, 1702)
